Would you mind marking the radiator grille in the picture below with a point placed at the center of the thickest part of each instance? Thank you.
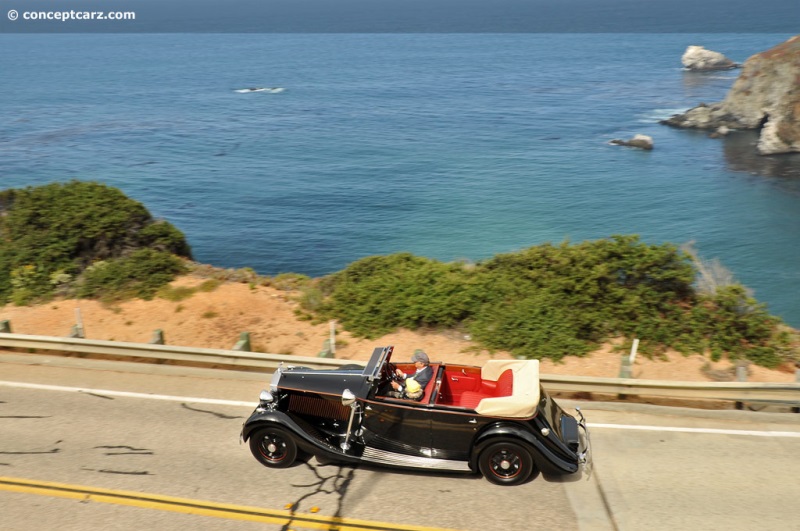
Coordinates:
(317, 406)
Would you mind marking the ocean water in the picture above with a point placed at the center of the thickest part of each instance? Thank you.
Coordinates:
(451, 146)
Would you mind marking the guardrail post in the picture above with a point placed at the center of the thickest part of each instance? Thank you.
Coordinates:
(796, 409)
(326, 351)
(333, 339)
(5, 326)
(158, 337)
(244, 342)
(741, 376)
(624, 372)
(625, 369)
(76, 331)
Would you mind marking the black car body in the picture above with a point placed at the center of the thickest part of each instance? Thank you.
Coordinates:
(496, 420)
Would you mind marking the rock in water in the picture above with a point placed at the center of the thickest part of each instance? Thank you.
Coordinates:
(638, 141)
(765, 97)
(699, 59)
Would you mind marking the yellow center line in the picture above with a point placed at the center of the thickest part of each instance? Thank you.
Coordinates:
(199, 507)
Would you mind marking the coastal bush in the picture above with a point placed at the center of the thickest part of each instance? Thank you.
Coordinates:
(554, 300)
(51, 234)
(139, 274)
(378, 294)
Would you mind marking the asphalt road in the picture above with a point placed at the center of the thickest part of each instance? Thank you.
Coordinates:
(669, 478)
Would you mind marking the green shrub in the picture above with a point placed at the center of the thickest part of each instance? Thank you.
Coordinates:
(52, 233)
(289, 281)
(554, 300)
(377, 294)
(177, 293)
(209, 285)
(535, 327)
(140, 274)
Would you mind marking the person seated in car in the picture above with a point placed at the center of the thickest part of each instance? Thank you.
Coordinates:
(422, 376)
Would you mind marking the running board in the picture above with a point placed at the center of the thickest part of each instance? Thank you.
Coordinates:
(383, 457)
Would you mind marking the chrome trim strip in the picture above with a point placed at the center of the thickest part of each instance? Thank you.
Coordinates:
(383, 457)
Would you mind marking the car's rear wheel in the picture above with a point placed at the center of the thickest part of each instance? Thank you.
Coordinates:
(506, 463)
(273, 447)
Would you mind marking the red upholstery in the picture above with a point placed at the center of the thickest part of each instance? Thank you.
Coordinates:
(471, 399)
(504, 386)
(430, 385)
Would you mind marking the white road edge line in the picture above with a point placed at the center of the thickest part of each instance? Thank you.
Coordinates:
(127, 394)
(753, 433)
(195, 400)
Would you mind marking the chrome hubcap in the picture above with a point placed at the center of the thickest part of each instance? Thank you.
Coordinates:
(506, 464)
(273, 447)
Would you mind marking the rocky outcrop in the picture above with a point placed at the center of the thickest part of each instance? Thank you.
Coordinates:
(697, 58)
(638, 141)
(765, 97)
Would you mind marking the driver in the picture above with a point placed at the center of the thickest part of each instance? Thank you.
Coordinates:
(422, 376)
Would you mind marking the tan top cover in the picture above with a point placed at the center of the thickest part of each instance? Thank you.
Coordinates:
(525, 393)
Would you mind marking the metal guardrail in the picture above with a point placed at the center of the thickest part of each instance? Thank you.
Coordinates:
(736, 391)
(187, 355)
(788, 393)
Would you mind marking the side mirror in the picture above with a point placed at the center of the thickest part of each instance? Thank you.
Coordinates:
(348, 398)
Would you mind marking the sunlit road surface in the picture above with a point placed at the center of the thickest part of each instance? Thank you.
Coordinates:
(183, 449)
(180, 462)
(285, 518)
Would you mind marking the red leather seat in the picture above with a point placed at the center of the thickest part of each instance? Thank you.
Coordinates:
(504, 386)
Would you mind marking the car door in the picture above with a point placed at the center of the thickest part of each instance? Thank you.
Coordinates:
(452, 432)
(398, 426)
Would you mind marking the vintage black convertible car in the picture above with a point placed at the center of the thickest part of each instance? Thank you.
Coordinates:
(496, 420)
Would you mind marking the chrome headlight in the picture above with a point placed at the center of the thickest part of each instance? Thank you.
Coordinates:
(266, 396)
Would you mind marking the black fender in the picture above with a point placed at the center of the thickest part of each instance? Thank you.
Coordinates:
(546, 460)
(261, 419)
(304, 441)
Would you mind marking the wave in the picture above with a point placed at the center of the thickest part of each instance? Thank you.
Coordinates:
(270, 90)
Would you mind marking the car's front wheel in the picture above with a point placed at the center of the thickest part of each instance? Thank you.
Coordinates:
(506, 463)
(273, 447)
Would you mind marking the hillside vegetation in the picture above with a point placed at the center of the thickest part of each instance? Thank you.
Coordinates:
(557, 300)
(83, 239)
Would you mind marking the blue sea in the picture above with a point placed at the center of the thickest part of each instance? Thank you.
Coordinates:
(448, 145)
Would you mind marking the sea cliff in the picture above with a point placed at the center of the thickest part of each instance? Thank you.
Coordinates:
(765, 97)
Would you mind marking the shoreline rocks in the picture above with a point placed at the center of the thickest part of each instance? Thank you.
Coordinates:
(765, 97)
(698, 59)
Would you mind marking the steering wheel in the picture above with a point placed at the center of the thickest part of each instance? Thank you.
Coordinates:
(391, 371)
